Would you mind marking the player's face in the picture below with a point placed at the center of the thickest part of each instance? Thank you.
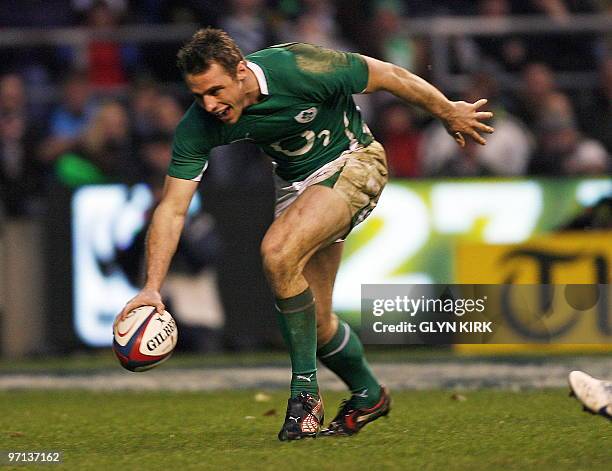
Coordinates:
(218, 92)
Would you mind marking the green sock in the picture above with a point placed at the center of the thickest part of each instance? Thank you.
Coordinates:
(343, 354)
(298, 322)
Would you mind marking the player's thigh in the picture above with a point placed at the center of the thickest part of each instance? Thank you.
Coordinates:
(323, 214)
(314, 220)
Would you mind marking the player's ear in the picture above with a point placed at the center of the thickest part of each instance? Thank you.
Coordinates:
(241, 70)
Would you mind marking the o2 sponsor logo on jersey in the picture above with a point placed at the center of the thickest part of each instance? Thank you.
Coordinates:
(306, 116)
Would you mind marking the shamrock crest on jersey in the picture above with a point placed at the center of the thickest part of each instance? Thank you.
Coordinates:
(306, 116)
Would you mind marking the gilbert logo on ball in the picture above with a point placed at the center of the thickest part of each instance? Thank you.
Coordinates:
(144, 339)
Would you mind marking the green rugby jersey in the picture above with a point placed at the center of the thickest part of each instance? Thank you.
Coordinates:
(306, 118)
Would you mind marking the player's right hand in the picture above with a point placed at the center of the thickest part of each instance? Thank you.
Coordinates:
(146, 297)
(465, 120)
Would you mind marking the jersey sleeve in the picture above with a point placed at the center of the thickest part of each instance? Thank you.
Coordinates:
(190, 148)
(326, 72)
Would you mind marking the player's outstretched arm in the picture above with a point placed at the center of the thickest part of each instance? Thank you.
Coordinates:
(459, 117)
(162, 240)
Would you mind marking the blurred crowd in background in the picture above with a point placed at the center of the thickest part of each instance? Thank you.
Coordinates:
(106, 112)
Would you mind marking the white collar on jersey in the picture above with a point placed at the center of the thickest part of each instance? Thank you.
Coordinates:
(260, 76)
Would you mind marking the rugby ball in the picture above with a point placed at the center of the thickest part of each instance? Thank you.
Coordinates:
(144, 338)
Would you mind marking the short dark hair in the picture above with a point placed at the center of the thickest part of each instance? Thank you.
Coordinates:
(206, 46)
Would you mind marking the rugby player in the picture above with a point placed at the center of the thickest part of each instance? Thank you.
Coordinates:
(295, 102)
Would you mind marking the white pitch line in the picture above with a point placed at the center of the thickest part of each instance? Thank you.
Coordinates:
(408, 376)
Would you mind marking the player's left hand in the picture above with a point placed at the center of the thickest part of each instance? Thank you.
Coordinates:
(464, 120)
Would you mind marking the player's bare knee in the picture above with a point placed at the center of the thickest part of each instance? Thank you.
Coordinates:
(278, 260)
(275, 266)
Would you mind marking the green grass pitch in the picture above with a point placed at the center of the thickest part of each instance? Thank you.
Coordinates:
(490, 430)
